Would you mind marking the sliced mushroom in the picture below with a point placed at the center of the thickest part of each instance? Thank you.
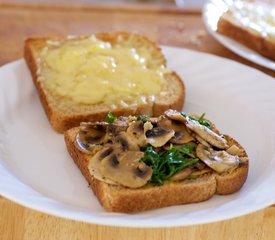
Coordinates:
(127, 142)
(159, 136)
(181, 135)
(137, 131)
(207, 134)
(220, 161)
(119, 125)
(95, 161)
(91, 134)
(202, 141)
(85, 148)
(181, 175)
(175, 115)
(91, 150)
(126, 169)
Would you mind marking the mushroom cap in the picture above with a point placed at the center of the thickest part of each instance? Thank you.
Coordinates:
(175, 115)
(181, 135)
(202, 131)
(126, 169)
(220, 161)
(95, 161)
(201, 140)
(207, 134)
(159, 136)
(127, 142)
(137, 130)
(119, 125)
(91, 134)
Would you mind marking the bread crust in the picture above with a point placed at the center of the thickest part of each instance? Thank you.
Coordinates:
(62, 118)
(121, 199)
(230, 183)
(230, 28)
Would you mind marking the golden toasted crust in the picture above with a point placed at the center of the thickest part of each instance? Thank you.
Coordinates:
(230, 28)
(121, 199)
(230, 183)
(63, 117)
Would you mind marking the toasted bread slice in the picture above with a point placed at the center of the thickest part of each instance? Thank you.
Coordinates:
(116, 198)
(64, 114)
(242, 29)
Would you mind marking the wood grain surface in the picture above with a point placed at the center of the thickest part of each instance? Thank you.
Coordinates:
(164, 24)
(17, 222)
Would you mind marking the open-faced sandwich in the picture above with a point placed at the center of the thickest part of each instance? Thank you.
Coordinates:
(138, 163)
(83, 78)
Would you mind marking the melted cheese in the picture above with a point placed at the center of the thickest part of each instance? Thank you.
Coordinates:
(259, 18)
(91, 71)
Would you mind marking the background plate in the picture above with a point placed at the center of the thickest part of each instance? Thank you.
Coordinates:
(212, 11)
(36, 170)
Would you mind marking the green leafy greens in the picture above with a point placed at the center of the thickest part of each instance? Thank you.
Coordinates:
(201, 120)
(143, 118)
(110, 118)
(167, 163)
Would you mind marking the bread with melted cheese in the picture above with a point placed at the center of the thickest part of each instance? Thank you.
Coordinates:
(64, 114)
(116, 198)
(233, 28)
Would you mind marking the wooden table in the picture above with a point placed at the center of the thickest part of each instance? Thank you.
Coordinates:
(166, 25)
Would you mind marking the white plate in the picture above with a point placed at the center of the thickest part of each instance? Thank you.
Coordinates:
(36, 170)
(212, 11)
